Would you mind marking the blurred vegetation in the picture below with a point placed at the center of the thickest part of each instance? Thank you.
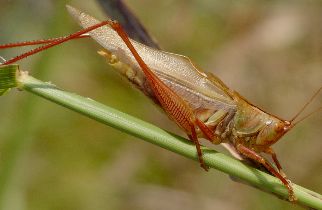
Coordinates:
(52, 158)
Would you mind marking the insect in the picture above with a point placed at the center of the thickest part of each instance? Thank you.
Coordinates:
(198, 102)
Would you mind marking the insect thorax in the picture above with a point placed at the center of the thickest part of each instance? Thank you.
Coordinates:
(255, 128)
(247, 125)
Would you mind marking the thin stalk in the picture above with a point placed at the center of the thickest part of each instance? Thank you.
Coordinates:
(164, 139)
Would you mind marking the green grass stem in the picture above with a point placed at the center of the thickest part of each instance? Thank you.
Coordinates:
(164, 139)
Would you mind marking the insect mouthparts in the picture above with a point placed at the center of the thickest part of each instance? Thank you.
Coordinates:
(287, 125)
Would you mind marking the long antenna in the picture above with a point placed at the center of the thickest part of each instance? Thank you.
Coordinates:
(306, 105)
(308, 115)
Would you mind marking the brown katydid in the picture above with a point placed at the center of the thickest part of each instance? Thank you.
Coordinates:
(200, 103)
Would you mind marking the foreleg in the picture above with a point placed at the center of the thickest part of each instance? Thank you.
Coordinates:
(193, 137)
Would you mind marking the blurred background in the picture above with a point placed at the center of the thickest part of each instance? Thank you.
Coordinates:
(53, 158)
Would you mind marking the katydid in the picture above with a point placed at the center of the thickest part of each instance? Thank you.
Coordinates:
(198, 102)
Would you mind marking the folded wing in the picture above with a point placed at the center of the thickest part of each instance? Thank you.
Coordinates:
(176, 71)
